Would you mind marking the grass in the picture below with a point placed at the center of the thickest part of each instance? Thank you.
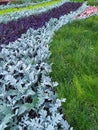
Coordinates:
(75, 56)
(36, 6)
(90, 2)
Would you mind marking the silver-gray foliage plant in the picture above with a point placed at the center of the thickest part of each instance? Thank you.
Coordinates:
(26, 94)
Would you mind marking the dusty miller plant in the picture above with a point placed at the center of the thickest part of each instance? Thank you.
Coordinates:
(26, 96)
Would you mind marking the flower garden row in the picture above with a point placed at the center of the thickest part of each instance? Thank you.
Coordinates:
(28, 6)
(14, 15)
(27, 97)
(12, 30)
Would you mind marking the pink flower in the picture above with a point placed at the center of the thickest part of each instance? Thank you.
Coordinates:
(91, 10)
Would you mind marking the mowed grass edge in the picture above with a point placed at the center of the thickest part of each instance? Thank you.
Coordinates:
(90, 2)
(75, 67)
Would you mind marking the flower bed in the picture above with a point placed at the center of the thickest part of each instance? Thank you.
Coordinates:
(13, 30)
(27, 97)
(20, 5)
(5, 16)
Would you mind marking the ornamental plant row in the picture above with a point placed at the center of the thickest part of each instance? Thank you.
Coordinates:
(12, 30)
(3, 2)
(25, 4)
(26, 12)
(30, 7)
(27, 98)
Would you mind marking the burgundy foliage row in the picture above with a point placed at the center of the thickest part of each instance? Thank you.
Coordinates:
(3, 2)
(12, 30)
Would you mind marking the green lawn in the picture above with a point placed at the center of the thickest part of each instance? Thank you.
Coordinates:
(90, 2)
(75, 56)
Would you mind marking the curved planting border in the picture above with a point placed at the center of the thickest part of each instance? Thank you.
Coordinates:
(30, 7)
(12, 30)
(28, 11)
(22, 5)
(27, 99)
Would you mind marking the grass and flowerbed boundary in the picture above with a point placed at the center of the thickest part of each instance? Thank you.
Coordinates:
(27, 96)
(74, 55)
(24, 72)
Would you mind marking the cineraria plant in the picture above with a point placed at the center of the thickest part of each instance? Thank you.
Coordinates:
(27, 99)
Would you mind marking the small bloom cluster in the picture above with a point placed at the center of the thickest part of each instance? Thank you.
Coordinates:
(90, 11)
